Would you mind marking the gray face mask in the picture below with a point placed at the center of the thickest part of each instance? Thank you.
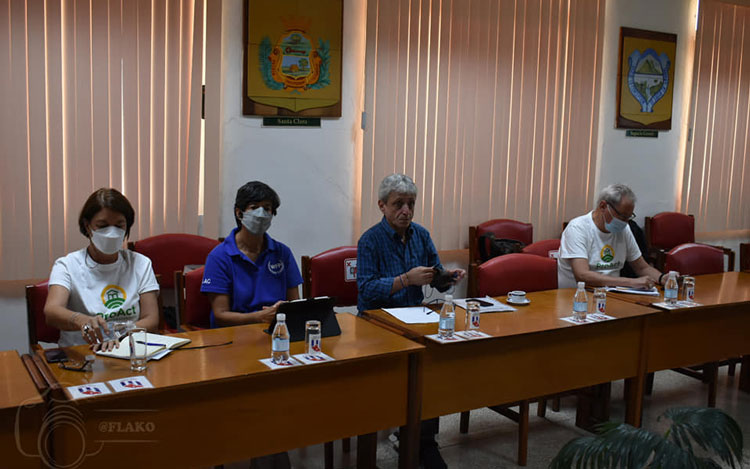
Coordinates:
(257, 221)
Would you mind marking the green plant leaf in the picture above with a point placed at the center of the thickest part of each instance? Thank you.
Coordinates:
(618, 446)
(711, 429)
(623, 446)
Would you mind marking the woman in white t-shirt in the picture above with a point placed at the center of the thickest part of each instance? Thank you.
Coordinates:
(102, 283)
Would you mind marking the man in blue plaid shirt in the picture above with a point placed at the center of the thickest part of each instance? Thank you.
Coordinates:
(395, 259)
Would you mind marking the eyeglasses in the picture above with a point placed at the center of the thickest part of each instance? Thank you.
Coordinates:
(78, 365)
(620, 215)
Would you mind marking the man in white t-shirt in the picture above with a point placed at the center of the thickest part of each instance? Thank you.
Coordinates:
(594, 247)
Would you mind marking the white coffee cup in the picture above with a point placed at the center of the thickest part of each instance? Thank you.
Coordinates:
(517, 296)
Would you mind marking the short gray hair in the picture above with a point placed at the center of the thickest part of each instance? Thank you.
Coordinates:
(398, 183)
(614, 193)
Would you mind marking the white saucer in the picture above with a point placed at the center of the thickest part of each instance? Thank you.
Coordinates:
(525, 302)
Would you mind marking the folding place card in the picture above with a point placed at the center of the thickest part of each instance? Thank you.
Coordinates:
(130, 384)
(312, 359)
(274, 366)
(679, 305)
(438, 339)
(590, 318)
(88, 390)
(473, 335)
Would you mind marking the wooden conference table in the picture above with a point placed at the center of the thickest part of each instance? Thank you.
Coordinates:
(532, 353)
(718, 330)
(22, 411)
(220, 404)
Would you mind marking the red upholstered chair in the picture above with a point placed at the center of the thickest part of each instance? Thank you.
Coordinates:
(195, 308)
(171, 252)
(745, 256)
(667, 230)
(39, 331)
(543, 248)
(699, 259)
(501, 228)
(497, 277)
(331, 273)
(525, 272)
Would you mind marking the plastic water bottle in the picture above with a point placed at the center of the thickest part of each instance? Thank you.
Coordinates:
(280, 340)
(447, 318)
(580, 303)
(670, 288)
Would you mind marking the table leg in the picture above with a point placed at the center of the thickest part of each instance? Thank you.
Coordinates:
(634, 400)
(711, 372)
(408, 453)
(367, 446)
(523, 432)
(745, 374)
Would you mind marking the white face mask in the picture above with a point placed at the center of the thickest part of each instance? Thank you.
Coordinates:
(257, 221)
(616, 225)
(108, 240)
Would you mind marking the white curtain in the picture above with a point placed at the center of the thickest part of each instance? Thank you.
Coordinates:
(98, 93)
(490, 105)
(716, 177)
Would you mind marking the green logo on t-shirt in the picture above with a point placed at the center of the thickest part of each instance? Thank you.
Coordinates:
(113, 296)
(607, 253)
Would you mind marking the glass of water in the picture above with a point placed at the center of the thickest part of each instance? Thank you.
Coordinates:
(138, 348)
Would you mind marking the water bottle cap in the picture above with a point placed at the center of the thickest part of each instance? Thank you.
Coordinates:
(673, 272)
(581, 284)
(281, 317)
(448, 298)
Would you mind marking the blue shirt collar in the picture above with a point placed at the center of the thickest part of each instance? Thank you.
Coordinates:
(392, 234)
(233, 250)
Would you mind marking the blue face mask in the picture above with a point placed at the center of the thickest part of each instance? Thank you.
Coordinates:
(616, 225)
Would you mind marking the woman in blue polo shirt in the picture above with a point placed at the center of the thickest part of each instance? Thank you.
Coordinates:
(250, 274)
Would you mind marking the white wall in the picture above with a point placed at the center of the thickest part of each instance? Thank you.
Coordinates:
(316, 171)
(650, 166)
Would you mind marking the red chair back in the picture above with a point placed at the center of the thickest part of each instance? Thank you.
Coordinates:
(525, 272)
(331, 273)
(744, 256)
(171, 252)
(666, 230)
(39, 331)
(695, 259)
(501, 228)
(195, 308)
(542, 248)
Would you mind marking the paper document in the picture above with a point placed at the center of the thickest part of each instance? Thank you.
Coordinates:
(493, 307)
(414, 314)
(158, 346)
(653, 291)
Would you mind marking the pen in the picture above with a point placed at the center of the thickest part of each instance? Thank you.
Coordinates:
(150, 343)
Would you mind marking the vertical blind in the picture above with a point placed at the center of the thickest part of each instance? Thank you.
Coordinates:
(716, 176)
(490, 105)
(97, 93)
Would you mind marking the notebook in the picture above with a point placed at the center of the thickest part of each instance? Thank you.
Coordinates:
(300, 311)
(156, 344)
